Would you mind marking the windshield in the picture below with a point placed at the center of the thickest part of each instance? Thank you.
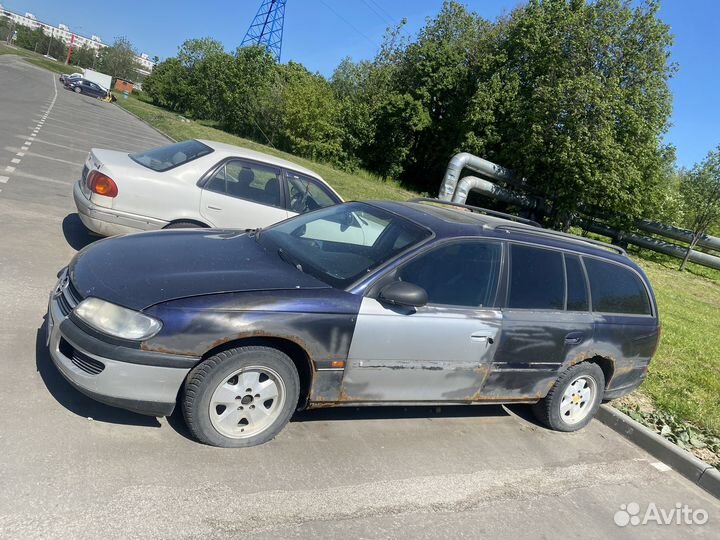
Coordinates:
(166, 157)
(342, 243)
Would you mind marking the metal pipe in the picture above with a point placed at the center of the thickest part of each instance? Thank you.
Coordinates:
(487, 188)
(685, 235)
(654, 244)
(484, 167)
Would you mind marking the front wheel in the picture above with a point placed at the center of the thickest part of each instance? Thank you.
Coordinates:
(241, 397)
(78, 89)
(574, 399)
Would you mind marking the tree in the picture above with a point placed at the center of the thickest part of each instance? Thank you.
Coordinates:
(701, 189)
(308, 114)
(166, 85)
(27, 38)
(118, 59)
(83, 57)
(577, 102)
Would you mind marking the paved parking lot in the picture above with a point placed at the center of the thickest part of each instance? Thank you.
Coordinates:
(72, 468)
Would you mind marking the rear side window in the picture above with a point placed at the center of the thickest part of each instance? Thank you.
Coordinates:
(254, 182)
(577, 296)
(616, 289)
(461, 274)
(166, 157)
(306, 194)
(537, 278)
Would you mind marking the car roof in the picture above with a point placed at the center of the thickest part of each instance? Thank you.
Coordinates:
(230, 150)
(450, 221)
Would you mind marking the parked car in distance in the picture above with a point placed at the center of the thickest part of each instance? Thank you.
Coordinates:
(73, 76)
(89, 88)
(382, 303)
(191, 184)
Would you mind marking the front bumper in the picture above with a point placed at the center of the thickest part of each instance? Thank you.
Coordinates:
(129, 378)
(109, 222)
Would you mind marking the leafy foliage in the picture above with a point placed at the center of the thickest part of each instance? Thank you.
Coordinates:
(686, 435)
(570, 94)
(118, 59)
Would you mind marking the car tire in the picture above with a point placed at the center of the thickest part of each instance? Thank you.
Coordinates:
(574, 398)
(78, 90)
(240, 397)
(184, 225)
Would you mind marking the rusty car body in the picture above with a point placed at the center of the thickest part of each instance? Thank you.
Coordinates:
(507, 310)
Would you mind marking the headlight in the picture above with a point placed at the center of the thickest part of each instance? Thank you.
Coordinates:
(116, 320)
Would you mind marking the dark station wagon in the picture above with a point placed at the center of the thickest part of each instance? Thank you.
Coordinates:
(361, 303)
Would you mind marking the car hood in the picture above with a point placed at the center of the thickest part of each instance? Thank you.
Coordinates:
(140, 270)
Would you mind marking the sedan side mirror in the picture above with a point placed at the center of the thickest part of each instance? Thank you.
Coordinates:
(401, 293)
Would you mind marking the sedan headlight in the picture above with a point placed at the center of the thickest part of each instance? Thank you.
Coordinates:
(117, 320)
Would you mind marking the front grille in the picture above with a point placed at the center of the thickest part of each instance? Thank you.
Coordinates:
(64, 305)
(68, 298)
(81, 360)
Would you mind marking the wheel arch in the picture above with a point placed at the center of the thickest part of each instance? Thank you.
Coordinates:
(299, 356)
(605, 363)
(187, 220)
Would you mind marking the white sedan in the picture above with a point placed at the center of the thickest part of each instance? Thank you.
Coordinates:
(194, 183)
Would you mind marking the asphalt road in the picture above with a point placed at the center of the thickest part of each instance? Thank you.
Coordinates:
(72, 468)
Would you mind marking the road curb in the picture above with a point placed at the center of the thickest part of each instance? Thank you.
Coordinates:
(168, 137)
(692, 468)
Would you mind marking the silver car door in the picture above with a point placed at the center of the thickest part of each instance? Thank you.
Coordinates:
(439, 352)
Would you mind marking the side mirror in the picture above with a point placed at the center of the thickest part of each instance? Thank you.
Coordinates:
(401, 293)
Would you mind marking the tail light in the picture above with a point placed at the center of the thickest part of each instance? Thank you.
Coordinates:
(102, 184)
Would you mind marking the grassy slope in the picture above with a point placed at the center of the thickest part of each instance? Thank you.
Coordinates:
(359, 185)
(39, 60)
(685, 374)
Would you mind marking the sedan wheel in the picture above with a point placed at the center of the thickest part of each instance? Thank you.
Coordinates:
(577, 400)
(241, 397)
(78, 89)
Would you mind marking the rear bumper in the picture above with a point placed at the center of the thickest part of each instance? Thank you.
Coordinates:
(622, 385)
(109, 222)
(129, 378)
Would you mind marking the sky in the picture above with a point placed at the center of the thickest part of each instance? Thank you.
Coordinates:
(319, 33)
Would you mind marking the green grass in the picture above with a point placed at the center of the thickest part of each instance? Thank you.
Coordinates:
(358, 185)
(684, 377)
(38, 59)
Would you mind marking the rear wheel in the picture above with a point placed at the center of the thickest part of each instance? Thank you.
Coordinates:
(574, 399)
(184, 225)
(241, 397)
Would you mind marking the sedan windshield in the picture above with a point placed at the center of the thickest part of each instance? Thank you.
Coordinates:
(166, 157)
(342, 243)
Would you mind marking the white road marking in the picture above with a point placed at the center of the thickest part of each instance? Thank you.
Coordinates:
(662, 467)
(75, 163)
(45, 179)
(23, 148)
(31, 138)
(81, 150)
